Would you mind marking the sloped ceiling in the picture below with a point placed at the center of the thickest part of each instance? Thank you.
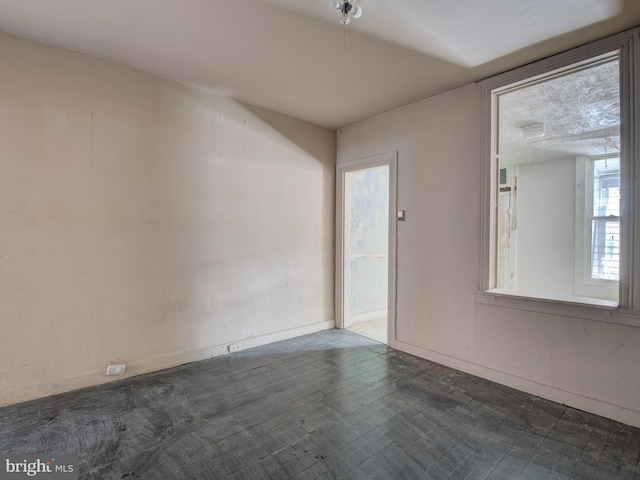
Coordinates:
(292, 56)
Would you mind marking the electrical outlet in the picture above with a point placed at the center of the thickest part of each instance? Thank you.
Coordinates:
(234, 347)
(116, 369)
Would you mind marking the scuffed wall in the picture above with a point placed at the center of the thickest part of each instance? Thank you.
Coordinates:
(148, 222)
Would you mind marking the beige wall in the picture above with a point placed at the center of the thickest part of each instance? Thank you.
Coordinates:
(148, 222)
(575, 359)
(151, 223)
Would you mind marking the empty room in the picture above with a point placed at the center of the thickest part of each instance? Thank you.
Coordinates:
(278, 239)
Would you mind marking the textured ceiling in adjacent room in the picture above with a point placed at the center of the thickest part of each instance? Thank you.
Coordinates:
(580, 112)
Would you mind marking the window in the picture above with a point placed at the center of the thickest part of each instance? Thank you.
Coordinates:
(597, 227)
(604, 218)
(559, 204)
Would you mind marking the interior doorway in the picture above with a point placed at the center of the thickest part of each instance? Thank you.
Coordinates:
(366, 228)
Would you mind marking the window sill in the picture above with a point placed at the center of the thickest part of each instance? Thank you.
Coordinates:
(570, 299)
(575, 307)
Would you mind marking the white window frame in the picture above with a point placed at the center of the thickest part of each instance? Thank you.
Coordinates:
(585, 284)
(628, 310)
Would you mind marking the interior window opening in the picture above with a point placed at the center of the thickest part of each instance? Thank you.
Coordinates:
(555, 189)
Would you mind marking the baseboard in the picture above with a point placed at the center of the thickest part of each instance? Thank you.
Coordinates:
(24, 393)
(599, 407)
(365, 317)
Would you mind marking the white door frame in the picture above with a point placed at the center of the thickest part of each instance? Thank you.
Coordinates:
(390, 160)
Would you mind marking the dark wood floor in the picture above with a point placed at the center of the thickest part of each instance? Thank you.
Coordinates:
(327, 405)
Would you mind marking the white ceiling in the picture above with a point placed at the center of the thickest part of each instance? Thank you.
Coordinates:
(293, 57)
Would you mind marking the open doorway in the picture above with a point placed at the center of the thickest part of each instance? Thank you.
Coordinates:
(366, 247)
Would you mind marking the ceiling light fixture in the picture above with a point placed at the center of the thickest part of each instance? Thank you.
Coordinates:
(347, 9)
(534, 130)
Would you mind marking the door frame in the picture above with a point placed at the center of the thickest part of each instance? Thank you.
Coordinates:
(390, 160)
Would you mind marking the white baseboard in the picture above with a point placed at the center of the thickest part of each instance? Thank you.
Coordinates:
(365, 317)
(593, 405)
(23, 393)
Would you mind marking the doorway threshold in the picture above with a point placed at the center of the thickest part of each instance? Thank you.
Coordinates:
(375, 329)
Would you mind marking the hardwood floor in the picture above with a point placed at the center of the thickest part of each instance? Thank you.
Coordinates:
(327, 405)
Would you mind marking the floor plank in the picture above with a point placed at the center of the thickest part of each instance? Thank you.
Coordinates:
(323, 406)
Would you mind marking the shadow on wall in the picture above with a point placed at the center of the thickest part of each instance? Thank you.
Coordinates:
(143, 220)
(295, 131)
